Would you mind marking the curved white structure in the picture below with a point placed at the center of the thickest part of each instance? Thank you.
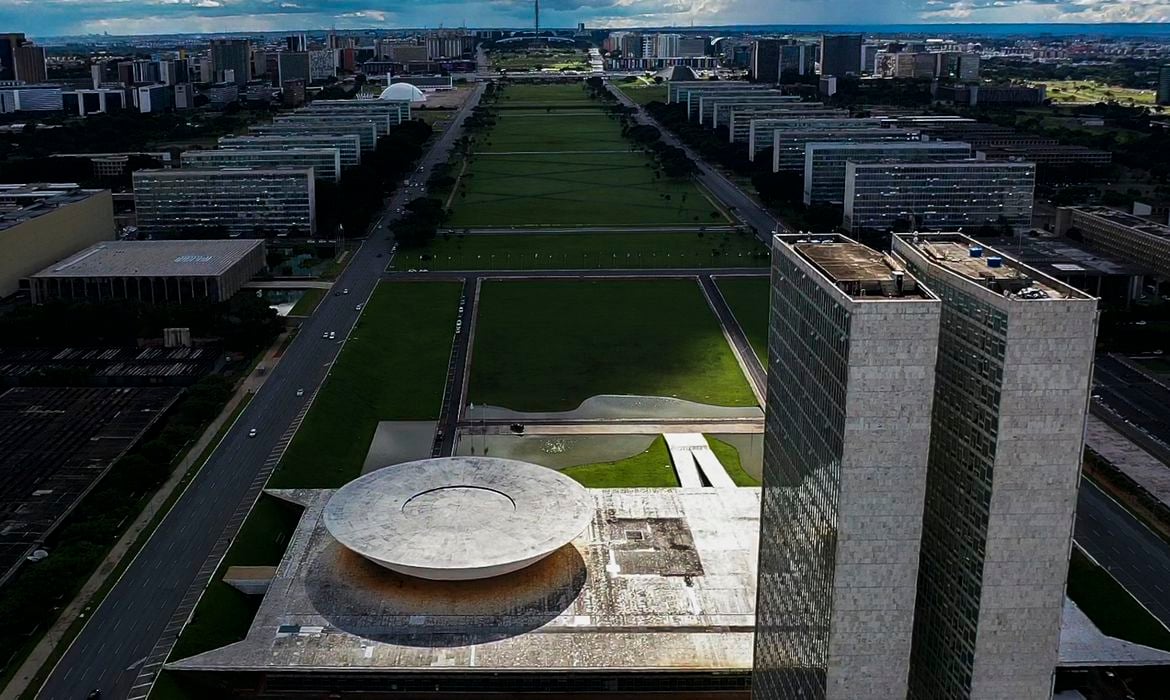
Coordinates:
(400, 92)
(458, 518)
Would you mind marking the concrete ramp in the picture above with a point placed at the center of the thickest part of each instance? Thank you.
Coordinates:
(689, 448)
(683, 458)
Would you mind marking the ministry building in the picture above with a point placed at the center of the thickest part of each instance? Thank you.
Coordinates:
(938, 196)
(235, 202)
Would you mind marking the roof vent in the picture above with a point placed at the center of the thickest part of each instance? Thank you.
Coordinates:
(976, 251)
(995, 261)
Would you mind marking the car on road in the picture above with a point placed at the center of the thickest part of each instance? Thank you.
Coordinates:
(345, 291)
(332, 335)
(252, 433)
(300, 392)
(325, 335)
(357, 308)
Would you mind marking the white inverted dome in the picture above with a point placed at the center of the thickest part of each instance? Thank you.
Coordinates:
(458, 518)
(400, 92)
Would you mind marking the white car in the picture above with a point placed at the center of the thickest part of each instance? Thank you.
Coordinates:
(252, 433)
(325, 335)
(345, 291)
(300, 392)
(332, 335)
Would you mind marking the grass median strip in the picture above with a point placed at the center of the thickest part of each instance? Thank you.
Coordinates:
(393, 367)
(748, 299)
(549, 345)
(308, 302)
(576, 189)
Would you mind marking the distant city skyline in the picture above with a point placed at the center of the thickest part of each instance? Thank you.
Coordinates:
(64, 17)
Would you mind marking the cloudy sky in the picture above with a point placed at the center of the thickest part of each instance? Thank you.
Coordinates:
(54, 17)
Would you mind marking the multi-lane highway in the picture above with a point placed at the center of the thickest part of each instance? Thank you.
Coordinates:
(118, 651)
(1136, 557)
(1134, 396)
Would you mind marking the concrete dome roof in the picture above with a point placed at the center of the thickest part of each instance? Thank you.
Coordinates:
(458, 518)
(400, 92)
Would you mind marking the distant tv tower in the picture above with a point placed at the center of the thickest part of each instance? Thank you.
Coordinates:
(536, 7)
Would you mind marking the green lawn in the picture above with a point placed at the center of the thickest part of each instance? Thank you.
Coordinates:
(308, 302)
(586, 251)
(554, 157)
(649, 469)
(749, 300)
(729, 457)
(522, 94)
(579, 189)
(587, 129)
(653, 468)
(1110, 606)
(393, 367)
(549, 345)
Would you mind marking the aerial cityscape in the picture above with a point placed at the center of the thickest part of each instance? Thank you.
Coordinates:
(700, 350)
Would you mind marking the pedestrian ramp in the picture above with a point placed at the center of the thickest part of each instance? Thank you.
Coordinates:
(691, 454)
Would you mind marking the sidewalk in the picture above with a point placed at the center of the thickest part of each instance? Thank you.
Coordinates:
(82, 603)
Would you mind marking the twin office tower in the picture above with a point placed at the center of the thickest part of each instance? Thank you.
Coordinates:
(922, 452)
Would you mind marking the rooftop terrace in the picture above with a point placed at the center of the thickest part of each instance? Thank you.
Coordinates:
(970, 259)
(662, 579)
(154, 259)
(858, 270)
(21, 202)
(1130, 221)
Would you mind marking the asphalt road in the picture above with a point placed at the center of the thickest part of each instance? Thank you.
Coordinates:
(1136, 557)
(1133, 396)
(119, 641)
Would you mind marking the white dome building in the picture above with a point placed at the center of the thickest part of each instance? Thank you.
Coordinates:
(401, 92)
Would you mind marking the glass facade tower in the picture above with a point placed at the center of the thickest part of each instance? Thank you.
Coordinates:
(1015, 358)
(850, 381)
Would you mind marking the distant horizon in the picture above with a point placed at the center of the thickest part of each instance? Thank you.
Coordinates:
(1060, 28)
(65, 18)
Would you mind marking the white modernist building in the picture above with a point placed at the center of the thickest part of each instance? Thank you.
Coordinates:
(248, 202)
(939, 196)
(739, 119)
(762, 131)
(348, 146)
(366, 131)
(824, 162)
(325, 162)
(788, 145)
